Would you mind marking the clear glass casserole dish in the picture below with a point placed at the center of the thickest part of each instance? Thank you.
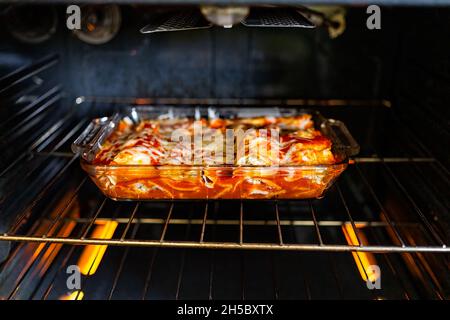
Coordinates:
(156, 153)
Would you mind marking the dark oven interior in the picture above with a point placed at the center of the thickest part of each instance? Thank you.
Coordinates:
(390, 207)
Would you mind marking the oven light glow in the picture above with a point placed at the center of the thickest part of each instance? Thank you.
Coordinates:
(141, 101)
(53, 249)
(75, 295)
(92, 255)
(91, 27)
(363, 260)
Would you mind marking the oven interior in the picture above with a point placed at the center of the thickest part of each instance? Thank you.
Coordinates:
(389, 208)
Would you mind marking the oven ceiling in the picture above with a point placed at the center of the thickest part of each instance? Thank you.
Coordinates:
(250, 2)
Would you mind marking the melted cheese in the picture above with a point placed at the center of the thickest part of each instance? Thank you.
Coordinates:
(149, 143)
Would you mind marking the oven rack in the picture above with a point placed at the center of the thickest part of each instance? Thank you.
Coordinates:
(300, 231)
(47, 165)
(125, 239)
(202, 221)
(279, 217)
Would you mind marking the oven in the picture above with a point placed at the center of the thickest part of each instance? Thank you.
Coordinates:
(380, 232)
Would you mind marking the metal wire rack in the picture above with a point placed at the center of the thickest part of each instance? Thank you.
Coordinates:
(50, 202)
(240, 225)
(278, 215)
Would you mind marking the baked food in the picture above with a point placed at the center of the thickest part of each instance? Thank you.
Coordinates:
(183, 158)
(151, 143)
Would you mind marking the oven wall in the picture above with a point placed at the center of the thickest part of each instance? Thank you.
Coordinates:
(422, 83)
(224, 63)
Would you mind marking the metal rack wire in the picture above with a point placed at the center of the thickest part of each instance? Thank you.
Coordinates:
(123, 240)
(131, 231)
(436, 242)
(273, 228)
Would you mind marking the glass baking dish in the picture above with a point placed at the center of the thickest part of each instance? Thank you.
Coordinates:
(203, 181)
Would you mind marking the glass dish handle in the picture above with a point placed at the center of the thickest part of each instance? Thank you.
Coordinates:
(349, 144)
(91, 139)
